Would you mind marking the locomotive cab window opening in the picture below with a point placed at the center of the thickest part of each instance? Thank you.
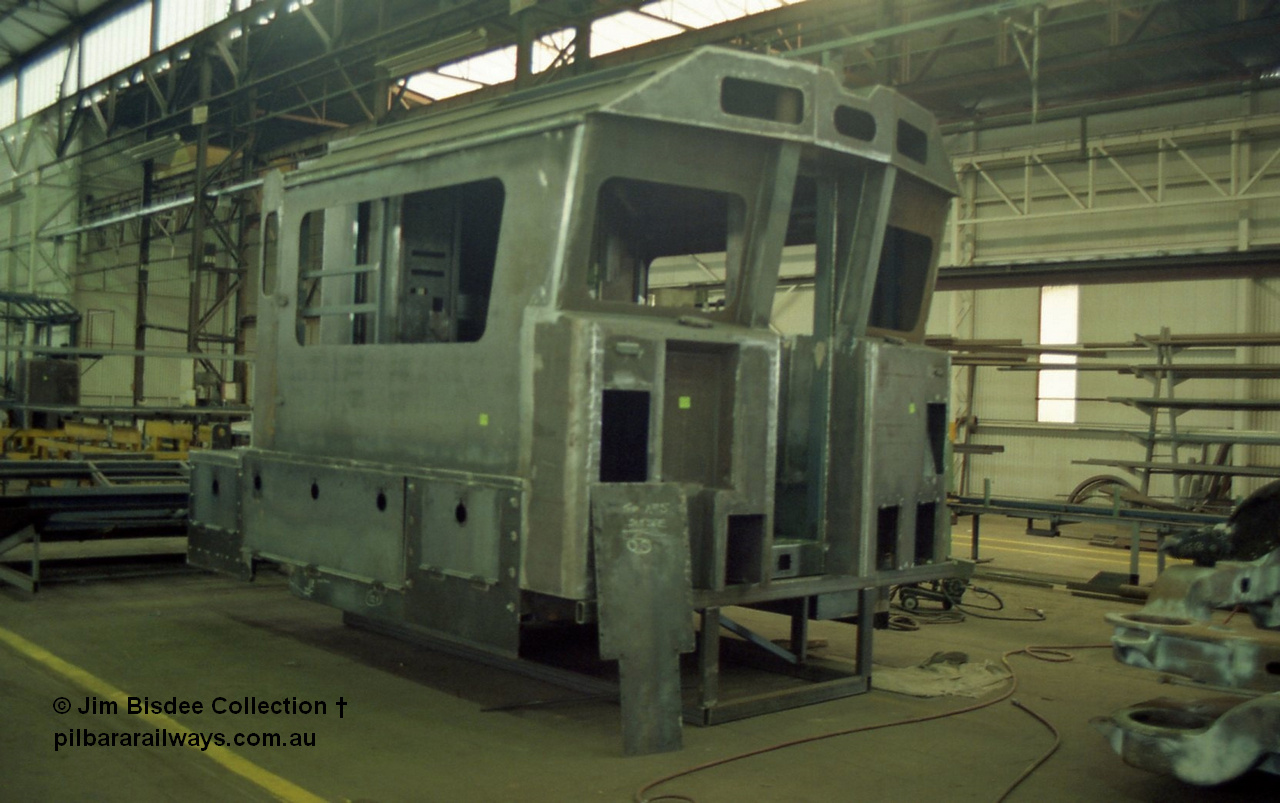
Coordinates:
(665, 245)
(310, 267)
(416, 268)
(336, 304)
(901, 280)
(813, 210)
(827, 201)
(793, 305)
(449, 248)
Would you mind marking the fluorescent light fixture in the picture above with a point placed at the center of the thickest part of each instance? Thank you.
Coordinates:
(433, 54)
(11, 195)
(163, 146)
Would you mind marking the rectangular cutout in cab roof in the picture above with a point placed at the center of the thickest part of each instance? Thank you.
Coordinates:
(763, 101)
(855, 123)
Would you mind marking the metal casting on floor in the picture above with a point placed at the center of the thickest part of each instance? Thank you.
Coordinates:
(1237, 568)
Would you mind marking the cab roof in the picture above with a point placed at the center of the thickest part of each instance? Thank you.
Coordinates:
(709, 87)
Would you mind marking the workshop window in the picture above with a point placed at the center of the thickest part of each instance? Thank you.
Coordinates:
(1059, 325)
(656, 243)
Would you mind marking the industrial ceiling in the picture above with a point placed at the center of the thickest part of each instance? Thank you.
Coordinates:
(27, 26)
(964, 59)
(278, 79)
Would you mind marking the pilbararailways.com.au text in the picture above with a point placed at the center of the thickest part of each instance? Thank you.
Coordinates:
(163, 737)
(177, 736)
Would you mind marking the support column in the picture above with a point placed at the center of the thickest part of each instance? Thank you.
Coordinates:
(524, 47)
(143, 278)
(582, 48)
(200, 116)
(709, 658)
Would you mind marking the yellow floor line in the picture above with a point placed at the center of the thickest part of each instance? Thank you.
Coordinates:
(1145, 563)
(1054, 550)
(1048, 547)
(281, 788)
(1101, 561)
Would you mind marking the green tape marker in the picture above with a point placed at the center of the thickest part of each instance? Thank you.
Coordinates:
(484, 419)
(686, 402)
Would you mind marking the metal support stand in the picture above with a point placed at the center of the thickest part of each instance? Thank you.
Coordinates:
(800, 630)
(1050, 531)
(709, 658)
(825, 680)
(27, 582)
(866, 629)
(1135, 547)
(565, 679)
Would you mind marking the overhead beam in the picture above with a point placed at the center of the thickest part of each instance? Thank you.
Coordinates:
(1190, 267)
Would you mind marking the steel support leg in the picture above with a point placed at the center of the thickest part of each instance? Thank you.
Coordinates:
(800, 630)
(29, 583)
(867, 598)
(709, 658)
(1135, 548)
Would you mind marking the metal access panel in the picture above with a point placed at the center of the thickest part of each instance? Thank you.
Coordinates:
(337, 517)
(215, 490)
(463, 550)
(215, 537)
(457, 528)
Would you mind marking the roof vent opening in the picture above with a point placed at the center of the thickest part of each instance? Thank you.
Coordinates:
(762, 101)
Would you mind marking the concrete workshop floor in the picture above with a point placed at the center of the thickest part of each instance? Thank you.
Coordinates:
(415, 728)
